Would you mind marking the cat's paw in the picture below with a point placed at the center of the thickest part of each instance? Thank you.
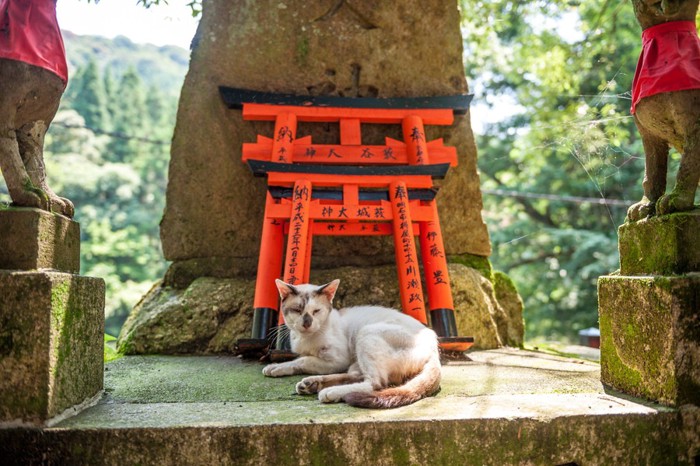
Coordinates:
(331, 395)
(309, 385)
(277, 370)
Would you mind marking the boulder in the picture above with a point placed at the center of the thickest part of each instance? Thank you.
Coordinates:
(512, 304)
(212, 313)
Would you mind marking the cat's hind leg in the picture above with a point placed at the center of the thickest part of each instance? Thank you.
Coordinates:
(316, 383)
(375, 361)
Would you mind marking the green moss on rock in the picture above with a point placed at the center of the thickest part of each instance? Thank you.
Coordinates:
(648, 345)
(480, 263)
(664, 245)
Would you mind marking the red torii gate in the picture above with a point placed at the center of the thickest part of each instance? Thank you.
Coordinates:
(351, 189)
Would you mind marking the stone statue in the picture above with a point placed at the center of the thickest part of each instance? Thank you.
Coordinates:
(33, 76)
(666, 103)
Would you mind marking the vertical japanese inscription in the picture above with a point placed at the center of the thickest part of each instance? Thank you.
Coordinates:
(414, 137)
(285, 133)
(406, 258)
(434, 263)
(298, 233)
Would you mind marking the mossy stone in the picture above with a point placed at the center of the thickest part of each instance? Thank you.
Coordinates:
(210, 314)
(33, 239)
(663, 245)
(51, 358)
(650, 336)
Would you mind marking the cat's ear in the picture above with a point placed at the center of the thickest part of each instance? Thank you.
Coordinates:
(329, 289)
(285, 289)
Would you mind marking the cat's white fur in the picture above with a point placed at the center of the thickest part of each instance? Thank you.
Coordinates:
(367, 356)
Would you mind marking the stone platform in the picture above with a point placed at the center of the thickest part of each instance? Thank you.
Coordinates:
(503, 407)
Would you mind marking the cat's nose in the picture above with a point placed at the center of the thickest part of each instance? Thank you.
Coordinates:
(306, 322)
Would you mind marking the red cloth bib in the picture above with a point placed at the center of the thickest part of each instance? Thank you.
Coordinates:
(670, 60)
(29, 33)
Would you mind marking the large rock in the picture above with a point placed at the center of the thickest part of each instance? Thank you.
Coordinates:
(212, 313)
(512, 304)
(361, 48)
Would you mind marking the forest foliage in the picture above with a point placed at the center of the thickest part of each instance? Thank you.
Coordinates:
(566, 67)
(560, 69)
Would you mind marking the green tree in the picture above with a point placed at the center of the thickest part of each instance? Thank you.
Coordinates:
(88, 97)
(130, 119)
(111, 94)
(572, 136)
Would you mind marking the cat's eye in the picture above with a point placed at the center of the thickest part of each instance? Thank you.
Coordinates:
(316, 311)
(295, 311)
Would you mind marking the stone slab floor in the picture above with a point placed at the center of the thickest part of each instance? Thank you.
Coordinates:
(504, 406)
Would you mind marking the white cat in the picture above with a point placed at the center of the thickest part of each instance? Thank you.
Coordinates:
(375, 357)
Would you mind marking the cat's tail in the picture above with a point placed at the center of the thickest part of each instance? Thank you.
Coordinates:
(425, 383)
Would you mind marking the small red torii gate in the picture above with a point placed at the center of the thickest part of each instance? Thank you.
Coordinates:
(351, 189)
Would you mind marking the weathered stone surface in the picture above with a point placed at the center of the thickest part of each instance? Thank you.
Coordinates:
(51, 343)
(650, 336)
(384, 49)
(212, 313)
(511, 302)
(664, 245)
(208, 316)
(32, 239)
(505, 407)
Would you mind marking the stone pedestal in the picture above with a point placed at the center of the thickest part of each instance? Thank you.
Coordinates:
(51, 320)
(666, 245)
(650, 313)
(51, 343)
(650, 336)
(34, 239)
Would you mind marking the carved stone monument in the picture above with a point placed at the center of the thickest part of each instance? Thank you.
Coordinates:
(355, 48)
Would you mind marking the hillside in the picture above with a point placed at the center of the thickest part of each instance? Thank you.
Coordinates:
(161, 67)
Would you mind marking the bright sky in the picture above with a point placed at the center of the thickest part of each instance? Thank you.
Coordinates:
(170, 24)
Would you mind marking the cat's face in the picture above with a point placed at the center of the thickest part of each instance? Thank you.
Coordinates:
(306, 307)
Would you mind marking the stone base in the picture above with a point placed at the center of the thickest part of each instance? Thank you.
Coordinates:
(33, 239)
(650, 336)
(51, 343)
(211, 314)
(665, 245)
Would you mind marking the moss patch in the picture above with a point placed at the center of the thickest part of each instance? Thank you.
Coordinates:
(479, 263)
(169, 379)
(664, 245)
(646, 349)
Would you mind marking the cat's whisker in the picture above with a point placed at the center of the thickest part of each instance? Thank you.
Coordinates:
(279, 331)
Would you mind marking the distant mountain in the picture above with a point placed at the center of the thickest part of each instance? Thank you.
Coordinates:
(161, 67)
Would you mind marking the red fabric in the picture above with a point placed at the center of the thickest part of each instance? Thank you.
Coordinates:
(29, 33)
(670, 60)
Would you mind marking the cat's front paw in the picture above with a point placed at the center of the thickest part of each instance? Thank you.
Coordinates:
(331, 395)
(309, 385)
(277, 370)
